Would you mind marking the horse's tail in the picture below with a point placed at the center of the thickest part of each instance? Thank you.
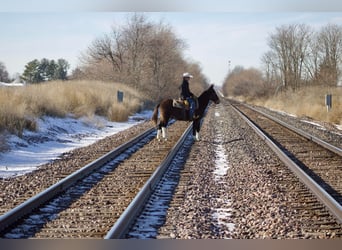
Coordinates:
(155, 114)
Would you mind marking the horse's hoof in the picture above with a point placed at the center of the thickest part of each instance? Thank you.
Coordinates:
(196, 138)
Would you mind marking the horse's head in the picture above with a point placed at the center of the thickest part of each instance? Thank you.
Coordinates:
(212, 95)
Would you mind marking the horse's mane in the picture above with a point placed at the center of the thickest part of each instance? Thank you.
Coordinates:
(206, 92)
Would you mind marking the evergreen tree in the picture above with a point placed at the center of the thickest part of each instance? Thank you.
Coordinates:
(61, 70)
(51, 70)
(32, 72)
(45, 70)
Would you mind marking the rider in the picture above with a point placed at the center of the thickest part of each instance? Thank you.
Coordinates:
(186, 94)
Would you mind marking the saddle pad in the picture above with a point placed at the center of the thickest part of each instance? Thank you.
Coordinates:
(180, 104)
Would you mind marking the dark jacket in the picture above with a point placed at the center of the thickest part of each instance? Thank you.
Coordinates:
(185, 91)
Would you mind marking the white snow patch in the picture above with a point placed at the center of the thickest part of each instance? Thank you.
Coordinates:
(282, 112)
(221, 215)
(56, 136)
(315, 124)
(221, 163)
(14, 84)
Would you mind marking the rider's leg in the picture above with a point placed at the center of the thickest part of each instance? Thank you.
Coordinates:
(192, 107)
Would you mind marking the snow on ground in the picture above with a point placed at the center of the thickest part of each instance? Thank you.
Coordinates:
(221, 161)
(56, 136)
(14, 84)
(282, 112)
(310, 122)
(314, 124)
(222, 215)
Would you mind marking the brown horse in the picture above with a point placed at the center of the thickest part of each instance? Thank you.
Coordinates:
(167, 111)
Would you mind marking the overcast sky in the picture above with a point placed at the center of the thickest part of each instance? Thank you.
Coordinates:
(215, 33)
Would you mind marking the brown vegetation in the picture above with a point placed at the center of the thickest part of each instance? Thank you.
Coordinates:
(246, 83)
(21, 106)
(309, 102)
(301, 67)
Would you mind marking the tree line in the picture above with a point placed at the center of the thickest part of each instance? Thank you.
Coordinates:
(37, 71)
(45, 70)
(142, 54)
(298, 56)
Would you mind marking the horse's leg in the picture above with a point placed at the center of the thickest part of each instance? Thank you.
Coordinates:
(159, 132)
(195, 130)
(163, 127)
(164, 133)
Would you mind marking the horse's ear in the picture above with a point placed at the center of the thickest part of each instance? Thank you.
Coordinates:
(211, 86)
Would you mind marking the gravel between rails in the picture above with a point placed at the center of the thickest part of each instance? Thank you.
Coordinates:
(257, 198)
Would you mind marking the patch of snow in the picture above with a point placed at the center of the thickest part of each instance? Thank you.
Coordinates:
(14, 84)
(315, 124)
(282, 112)
(56, 136)
(221, 215)
(221, 163)
(339, 127)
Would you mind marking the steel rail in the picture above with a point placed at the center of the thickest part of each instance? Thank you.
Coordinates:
(26, 207)
(322, 143)
(334, 207)
(122, 225)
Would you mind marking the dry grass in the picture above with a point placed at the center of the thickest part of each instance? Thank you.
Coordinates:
(309, 102)
(20, 106)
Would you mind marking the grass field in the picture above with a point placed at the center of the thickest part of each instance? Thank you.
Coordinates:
(20, 106)
(309, 102)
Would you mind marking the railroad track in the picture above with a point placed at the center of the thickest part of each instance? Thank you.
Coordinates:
(197, 221)
(92, 208)
(89, 202)
(316, 163)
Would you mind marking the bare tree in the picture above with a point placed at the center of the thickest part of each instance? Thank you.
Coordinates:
(271, 71)
(313, 61)
(329, 45)
(136, 35)
(124, 49)
(230, 81)
(108, 48)
(3, 73)
(164, 56)
(290, 44)
(248, 83)
(143, 54)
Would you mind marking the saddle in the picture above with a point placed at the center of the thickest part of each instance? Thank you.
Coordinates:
(182, 104)
(185, 106)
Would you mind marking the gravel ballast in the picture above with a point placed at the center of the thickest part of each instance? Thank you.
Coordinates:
(257, 198)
